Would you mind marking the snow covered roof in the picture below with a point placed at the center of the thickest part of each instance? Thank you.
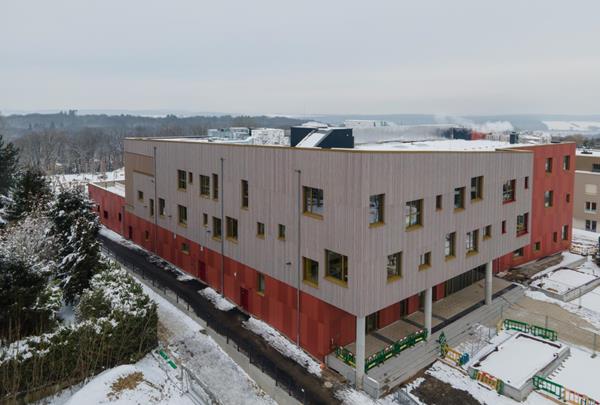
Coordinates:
(587, 152)
(438, 145)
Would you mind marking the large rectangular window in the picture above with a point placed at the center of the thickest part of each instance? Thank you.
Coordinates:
(182, 215)
(459, 198)
(450, 245)
(566, 162)
(508, 191)
(394, 266)
(548, 165)
(376, 209)
(205, 219)
(215, 186)
(216, 228)
(181, 179)
(244, 192)
(590, 207)
(413, 213)
(312, 201)
(564, 232)
(548, 198)
(472, 242)
(140, 195)
(438, 202)
(476, 188)
(151, 206)
(487, 232)
(522, 224)
(310, 271)
(231, 231)
(260, 230)
(161, 207)
(596, 167)
(281, 232)
(204, 186)
(425, 261)
(590, 225)
(336, 266)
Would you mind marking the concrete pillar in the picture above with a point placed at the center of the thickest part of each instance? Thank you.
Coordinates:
(488, 283)
(428, 305)
(359, 356)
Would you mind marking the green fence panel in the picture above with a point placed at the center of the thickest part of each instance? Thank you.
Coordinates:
(535, 330)
(543, 384)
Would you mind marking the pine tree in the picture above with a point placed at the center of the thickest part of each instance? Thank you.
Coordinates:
(75, 228)
(31, 191)
(9, 156)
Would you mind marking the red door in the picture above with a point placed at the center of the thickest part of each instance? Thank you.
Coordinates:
(244, 299)
(202, 271)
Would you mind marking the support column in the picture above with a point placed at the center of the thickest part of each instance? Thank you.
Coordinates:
(428, 305)
(488, 283)
(359, 357)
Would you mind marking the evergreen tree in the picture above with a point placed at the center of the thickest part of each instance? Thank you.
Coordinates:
(9, 156)
(75, 228)
(31, 191)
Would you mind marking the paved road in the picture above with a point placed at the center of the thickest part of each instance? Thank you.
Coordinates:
(301, 384)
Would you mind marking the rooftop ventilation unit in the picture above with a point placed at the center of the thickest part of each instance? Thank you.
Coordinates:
(329, 137)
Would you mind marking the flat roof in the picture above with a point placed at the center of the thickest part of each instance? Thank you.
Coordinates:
(588, 152)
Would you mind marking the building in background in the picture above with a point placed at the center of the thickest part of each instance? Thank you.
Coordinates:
(336, 239)
(586, 212)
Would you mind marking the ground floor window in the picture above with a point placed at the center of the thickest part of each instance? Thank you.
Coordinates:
(464, 280)
(590, 225)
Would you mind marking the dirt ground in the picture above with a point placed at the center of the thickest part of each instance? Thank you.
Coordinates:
(435, 392)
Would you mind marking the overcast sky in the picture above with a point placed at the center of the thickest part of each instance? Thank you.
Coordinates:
(302, 57)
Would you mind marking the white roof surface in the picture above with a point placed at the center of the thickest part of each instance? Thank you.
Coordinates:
(441, 145)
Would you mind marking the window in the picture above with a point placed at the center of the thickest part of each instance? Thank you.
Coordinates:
(215, 188)
(190, 177)
(336, 266)
(140, 195)
(526, 182)
(260, 284)
(231, 230)
(564, 232)
(591, 188)
(476, 188)
(182, 215)
(205, 219)
(503, 226)
(472, 242)
(522, 224)
(425, 261)
(216, 231)
(568, 198)
(438, 202)
(566, 162)
(450, 245)
(508, 191)
(537, 246)
(487, 232)
(548, 165)
(244, 193)
(260, 230)
(281, 232)
(185, 248)
(394, 266)
(105, 214)
(119, 217)
(548, 197)
(312, 201)
(413, 213)
(595, 167)
(146, 236)
(590, 207)
(181, 180)
(204, 186)
(161, 207)
(555, 237)
(151, 206)
(518, 253)
(376, 209)
(459, 198)
(590, 225)
(310, 271)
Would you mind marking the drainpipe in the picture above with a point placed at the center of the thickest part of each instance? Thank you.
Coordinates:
(298, 261)
(154, 208)
(222, 191)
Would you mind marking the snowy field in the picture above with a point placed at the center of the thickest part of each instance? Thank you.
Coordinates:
(563, 280)
(518, 359)
(150, 381)
(580, 373)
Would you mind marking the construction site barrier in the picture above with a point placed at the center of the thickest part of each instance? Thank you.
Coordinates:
(561, 393)
(535, 330)
(448, 352)
(488, 380)
(384, 354)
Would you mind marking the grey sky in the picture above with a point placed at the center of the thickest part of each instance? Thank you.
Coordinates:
(452, 57)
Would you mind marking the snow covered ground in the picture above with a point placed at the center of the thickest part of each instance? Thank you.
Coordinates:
(563, 280)
(219, 302)
(185, 342)
(583, 241)
(84, 178)
(579, 373)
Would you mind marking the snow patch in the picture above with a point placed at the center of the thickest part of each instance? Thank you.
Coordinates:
(283, 345)
(219, 302)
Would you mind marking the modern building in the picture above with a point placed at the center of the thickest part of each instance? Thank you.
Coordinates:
(328, 243)
(586, 201)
